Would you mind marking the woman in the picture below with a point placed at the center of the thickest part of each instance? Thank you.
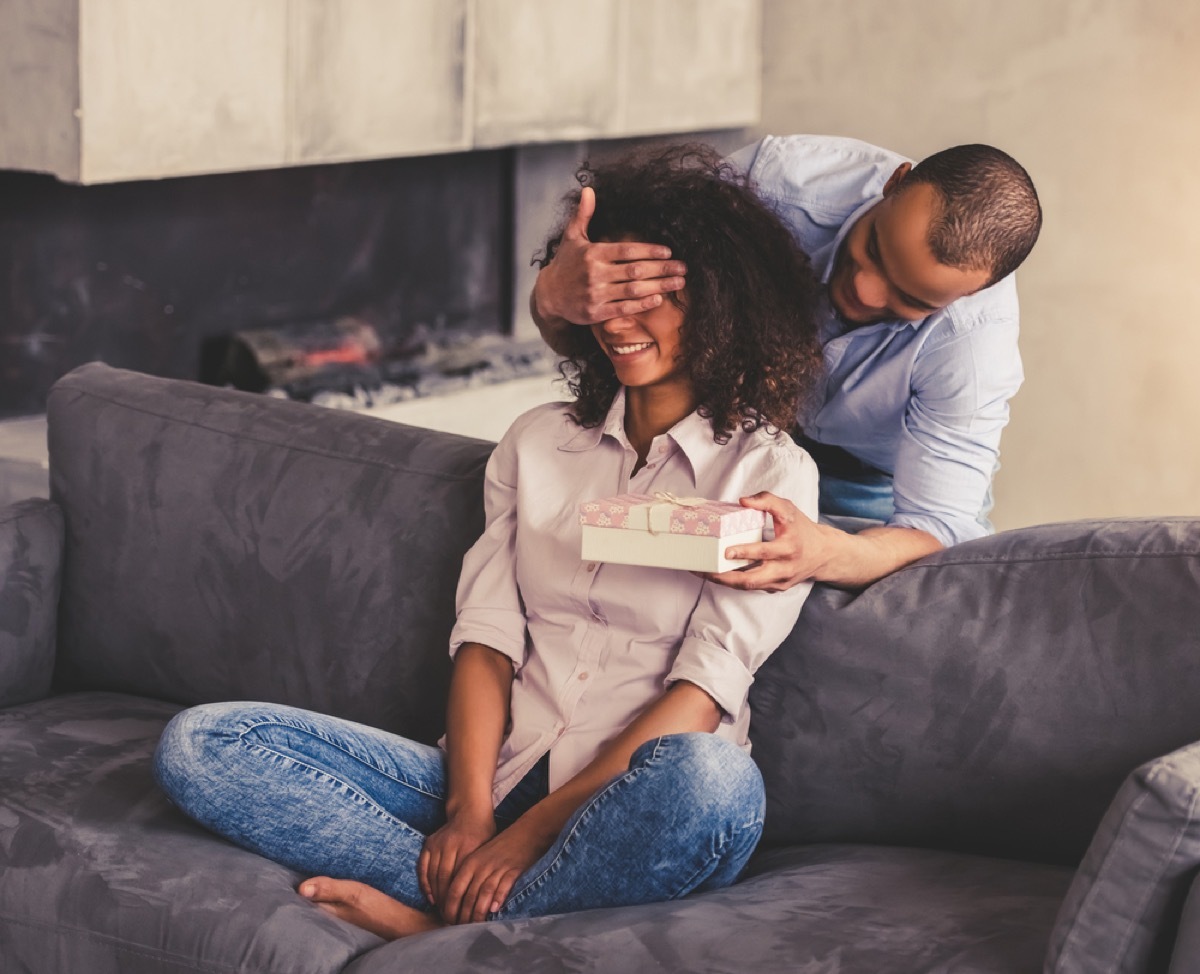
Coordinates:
(596, 750)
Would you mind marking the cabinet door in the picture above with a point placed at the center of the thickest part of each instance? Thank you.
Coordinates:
(692, 65)
(546, 70)
(377, 78)
(182, 87)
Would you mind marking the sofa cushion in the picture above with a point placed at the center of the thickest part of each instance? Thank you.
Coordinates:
(990, 698)
(1123, 909)
(31, 542)
(100, 875)
(226, 546)
(847, 909)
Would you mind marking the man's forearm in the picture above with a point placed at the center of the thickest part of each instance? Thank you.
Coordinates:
(554, 329)
(857, 560)
(805, 550)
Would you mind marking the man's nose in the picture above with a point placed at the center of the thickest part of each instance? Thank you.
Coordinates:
(871, 288)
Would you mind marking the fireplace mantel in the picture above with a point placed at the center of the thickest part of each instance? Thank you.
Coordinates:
(97, 91)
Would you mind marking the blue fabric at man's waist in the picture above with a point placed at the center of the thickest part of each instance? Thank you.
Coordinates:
(848, 486)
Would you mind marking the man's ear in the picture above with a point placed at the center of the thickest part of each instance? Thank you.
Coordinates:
(902, 170)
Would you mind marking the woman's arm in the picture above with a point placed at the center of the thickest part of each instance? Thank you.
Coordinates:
(477, 715)
(487, 876)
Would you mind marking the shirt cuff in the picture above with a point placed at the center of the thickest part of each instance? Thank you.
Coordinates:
(716, 671)
(948, 531)
(500, 629)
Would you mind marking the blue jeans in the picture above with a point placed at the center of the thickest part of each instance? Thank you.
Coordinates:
(867, 496)
(329, 797)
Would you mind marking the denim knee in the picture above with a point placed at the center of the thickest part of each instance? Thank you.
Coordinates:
(185, 752)
(708, 772)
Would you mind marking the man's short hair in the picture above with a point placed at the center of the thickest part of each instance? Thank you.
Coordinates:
(988, 214)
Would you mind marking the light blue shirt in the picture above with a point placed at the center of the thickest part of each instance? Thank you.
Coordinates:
(923, 400)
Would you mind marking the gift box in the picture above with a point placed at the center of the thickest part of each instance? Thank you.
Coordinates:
(664, 531)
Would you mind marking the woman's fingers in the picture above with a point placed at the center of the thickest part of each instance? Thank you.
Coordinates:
(503, 888)
(450, 904)
(444, 876)
(423, 873)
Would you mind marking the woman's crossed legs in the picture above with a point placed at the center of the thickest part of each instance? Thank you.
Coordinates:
(329, 797)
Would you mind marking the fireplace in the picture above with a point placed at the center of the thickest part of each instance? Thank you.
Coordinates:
(147, 275)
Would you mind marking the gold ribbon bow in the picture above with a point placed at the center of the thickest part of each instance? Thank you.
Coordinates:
(664, 498)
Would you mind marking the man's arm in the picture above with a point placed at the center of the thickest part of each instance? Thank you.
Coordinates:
(589, 282)
(804, 550)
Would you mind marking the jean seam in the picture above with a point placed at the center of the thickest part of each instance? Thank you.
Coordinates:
(351, 790)
(277, 722)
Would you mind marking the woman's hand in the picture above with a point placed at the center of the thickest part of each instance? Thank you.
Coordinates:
(448, 847)
(486, 877)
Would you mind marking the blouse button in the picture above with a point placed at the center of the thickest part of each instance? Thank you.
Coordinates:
(591, 566)
(583, 676)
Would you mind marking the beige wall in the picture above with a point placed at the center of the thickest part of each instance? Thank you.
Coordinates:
(1100, 100)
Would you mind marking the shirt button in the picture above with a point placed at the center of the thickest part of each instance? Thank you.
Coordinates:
(583, 676)
(591, 566)
(651, 466)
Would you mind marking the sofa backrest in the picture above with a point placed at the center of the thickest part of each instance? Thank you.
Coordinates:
(991, 698)
(226, 546)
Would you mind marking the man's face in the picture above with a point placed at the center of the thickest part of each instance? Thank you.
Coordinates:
(885, 269)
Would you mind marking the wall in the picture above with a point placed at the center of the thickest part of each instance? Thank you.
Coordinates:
(1100, 100)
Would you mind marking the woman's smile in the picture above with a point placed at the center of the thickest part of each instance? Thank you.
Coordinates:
(628, 349)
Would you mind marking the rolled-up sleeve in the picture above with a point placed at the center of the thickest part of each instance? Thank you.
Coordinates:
(949, 448)
(732, 632)
(488, 600)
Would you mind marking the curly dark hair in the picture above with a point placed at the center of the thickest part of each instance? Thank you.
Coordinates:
(748, 341)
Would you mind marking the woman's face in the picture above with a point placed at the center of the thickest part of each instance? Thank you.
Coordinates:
(644, 348)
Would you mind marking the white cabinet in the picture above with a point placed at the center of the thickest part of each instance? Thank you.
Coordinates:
(106, 90)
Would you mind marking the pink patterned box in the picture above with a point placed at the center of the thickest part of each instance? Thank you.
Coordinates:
(665, 531)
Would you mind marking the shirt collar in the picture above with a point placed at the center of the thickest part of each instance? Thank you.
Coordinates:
(588, 438)
(693, 435)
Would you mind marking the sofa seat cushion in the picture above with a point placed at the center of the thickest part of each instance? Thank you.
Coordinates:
(849, 909)
(100, 874)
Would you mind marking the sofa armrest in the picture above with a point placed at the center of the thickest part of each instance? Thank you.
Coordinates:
(1122, 911)
(31, 550)
(1185, 958)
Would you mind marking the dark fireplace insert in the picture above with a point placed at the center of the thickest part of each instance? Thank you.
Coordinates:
(196, 277)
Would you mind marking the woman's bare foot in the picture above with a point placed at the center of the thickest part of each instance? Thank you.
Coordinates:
(367, 907)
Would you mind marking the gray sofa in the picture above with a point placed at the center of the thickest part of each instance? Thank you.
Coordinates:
(985, 762)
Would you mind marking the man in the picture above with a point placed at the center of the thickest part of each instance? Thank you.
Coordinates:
(919, 327)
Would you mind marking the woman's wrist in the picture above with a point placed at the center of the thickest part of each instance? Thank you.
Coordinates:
(469, 807)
